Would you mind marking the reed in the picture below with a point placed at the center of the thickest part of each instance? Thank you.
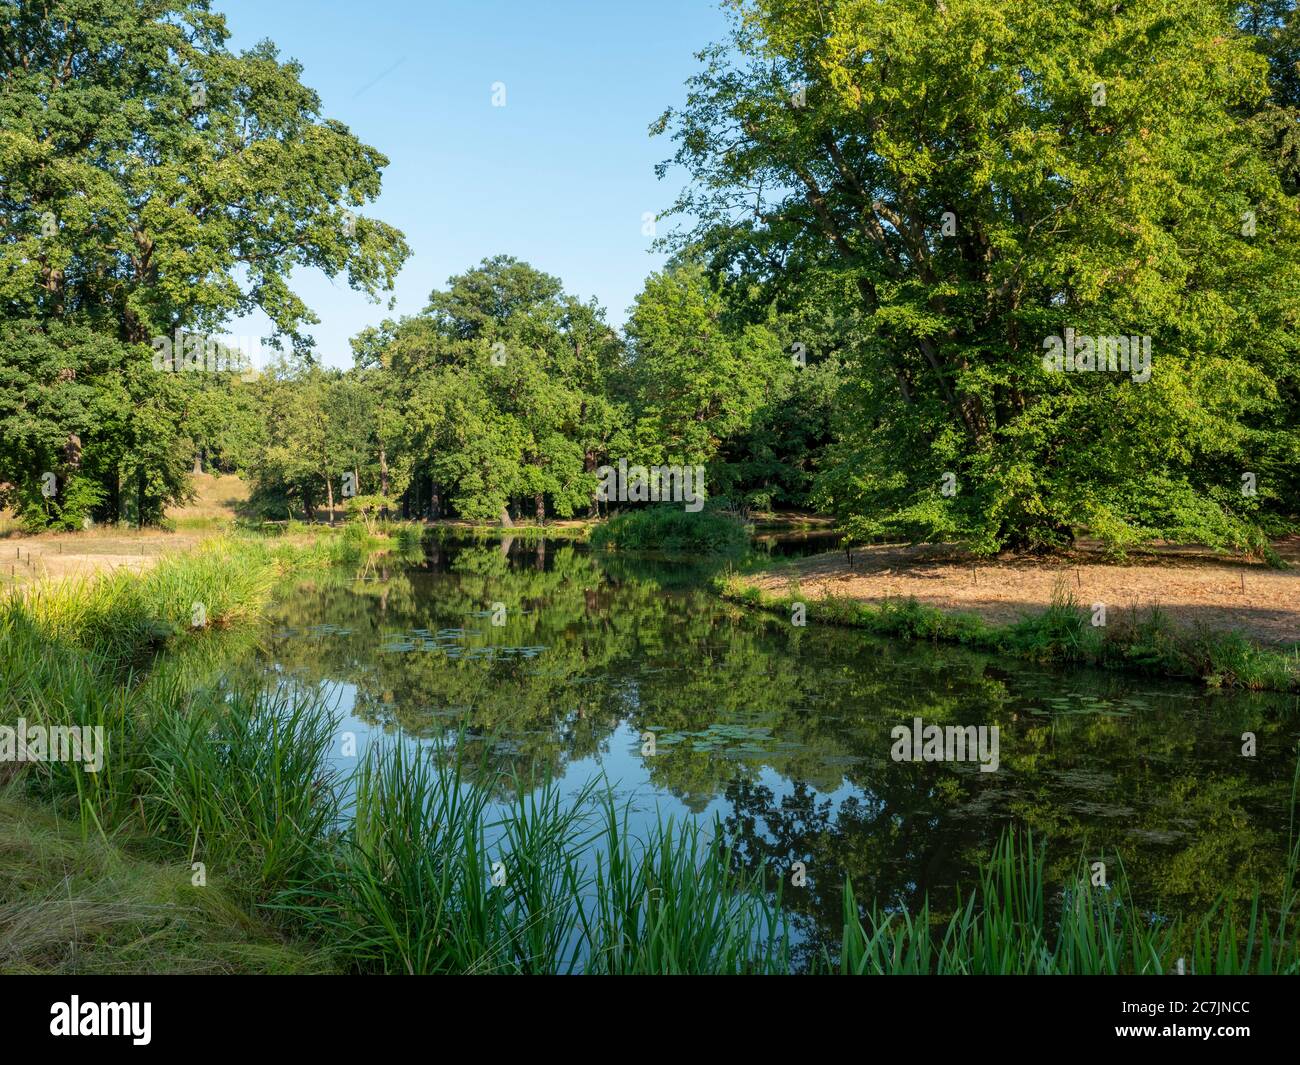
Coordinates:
(675, 902)
(416, 862)
(244, 785)
(1012, 925)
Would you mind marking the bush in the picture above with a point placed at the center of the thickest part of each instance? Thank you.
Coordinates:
(671, 529)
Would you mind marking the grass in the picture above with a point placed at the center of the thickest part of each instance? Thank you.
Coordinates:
(238, 782)
(122, 617)
(70, 903)
(431, 877)
(409, 886)
(1006, 926)
(1144, 641)
(412, 862)
(670, 528)
(217, 499)
(675, 902)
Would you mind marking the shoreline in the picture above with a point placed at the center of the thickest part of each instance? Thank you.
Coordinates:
(173, 806)
(1043, 612)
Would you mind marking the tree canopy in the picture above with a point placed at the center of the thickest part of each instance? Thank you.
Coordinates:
(979, 271)
(153, 184)
(974, 177)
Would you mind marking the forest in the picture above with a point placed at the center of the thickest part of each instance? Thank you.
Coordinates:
(894, 212)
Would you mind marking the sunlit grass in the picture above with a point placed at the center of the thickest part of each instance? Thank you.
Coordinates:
(416, 862)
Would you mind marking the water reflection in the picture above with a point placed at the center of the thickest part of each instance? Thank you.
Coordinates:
(783, 732)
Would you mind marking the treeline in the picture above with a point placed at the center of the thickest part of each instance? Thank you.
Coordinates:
(505, 398)
(897, 211)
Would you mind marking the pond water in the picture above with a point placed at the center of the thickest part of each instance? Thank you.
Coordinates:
(784, 732)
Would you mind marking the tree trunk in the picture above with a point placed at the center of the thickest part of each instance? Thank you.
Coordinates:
(329, 496)
(198, 462)
(539, 501)
(506, 520)
(71, 464)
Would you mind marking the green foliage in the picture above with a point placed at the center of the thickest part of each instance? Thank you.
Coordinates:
(1120, 216)
(504, 398)
(670, 528)
(897, 204)
(369, 509)
(696, 382)
(153, 184)
(498, 394)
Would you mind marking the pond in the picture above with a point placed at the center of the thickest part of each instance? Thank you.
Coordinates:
(784, 733)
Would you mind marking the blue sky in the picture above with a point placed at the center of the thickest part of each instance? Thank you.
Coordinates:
(561, 176)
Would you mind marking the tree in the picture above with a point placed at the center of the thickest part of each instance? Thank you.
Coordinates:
(695, 382)
(500, 388)
(153, 182)
(1275, 25)
(987, 176)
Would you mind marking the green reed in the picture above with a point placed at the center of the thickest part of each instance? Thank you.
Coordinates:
(1013, 923)
(418, 862)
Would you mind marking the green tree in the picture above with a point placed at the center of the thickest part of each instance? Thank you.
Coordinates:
(152, 181)
(987, 175)
(502, 388)
(695, 382)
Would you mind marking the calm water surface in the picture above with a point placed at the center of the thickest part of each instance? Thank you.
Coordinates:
(783, 733)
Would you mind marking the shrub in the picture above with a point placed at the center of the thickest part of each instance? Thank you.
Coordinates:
(671, 529)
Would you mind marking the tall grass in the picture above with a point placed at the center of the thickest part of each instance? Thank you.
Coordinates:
(86, 652)
(121, 617)
(416, 884)
(675, 902)
(1006, 926)
(244, 785)
(415, 863)
(431, 876)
